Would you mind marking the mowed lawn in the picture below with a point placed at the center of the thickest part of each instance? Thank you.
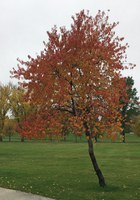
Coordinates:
(63, 171)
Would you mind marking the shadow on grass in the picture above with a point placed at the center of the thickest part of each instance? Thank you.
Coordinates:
(95, 187)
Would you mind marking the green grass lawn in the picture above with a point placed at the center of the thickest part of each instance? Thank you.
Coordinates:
(64, 171)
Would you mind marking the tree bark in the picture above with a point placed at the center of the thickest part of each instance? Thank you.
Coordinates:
(1, 139)
(22, 139)
(93, 158)
(9, 137)
(123, 136)
(123, 131)
(95, 164)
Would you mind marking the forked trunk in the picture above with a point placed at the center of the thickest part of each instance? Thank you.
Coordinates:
(93, 158)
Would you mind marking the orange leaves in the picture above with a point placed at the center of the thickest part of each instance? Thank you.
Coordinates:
(76, 78)
(76, 124)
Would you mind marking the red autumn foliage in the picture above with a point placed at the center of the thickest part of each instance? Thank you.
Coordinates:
(76, 78)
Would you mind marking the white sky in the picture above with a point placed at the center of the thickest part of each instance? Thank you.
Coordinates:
(23, 26)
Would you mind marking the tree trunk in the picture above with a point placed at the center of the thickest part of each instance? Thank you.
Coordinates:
(22, 139)
(95, 164)
(93, 158)
(123, 136)
(9, 137)
(1, 139)
(96, 138)
(76, 139)
(1, 129)
(123, 132)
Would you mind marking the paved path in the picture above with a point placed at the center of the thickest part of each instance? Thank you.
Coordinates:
(7, 194)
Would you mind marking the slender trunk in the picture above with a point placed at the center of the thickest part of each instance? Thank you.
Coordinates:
(22, 139)
(123, 132)
(76, 139)
(123, 136)
(93, 158)
(96, 139)
(1, 129)
(1, 139)
(95, 164)
(21, 136)
(9, 137)
(64, 135)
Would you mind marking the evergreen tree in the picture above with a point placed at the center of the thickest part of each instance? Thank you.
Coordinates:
(130, 106)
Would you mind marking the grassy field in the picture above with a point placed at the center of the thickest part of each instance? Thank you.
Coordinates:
(63, 170)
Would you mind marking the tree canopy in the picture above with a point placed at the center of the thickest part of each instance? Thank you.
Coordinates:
(77, 77)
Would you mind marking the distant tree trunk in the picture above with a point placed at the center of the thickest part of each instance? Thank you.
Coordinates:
(96, 138)
(123, 132)
(10, 137)
(1, 129)
(22, 139)
(76, 138)
(123, 136)
(93, 158)
(64, 135)
(1, 139)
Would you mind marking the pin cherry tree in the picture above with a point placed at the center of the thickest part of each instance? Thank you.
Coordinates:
(76, 82)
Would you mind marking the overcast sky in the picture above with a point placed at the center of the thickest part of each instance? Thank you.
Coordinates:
(23, 26)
